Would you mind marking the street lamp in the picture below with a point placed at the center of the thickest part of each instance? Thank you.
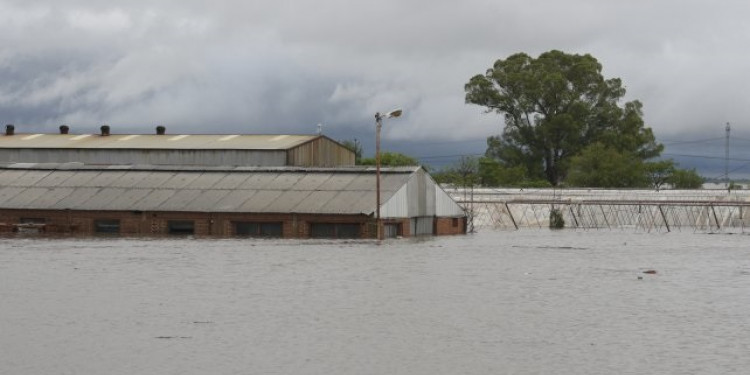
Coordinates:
(379, 124)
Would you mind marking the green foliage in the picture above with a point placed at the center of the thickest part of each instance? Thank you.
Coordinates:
(492, 173)
(464, 173)
(556, 220)
(485, 171)
(355, 147)
(686, 179)
(391, 159)
(554, 107)
(600, 166)
(658, 173)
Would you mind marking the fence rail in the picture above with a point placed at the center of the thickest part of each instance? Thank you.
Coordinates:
(648, 215)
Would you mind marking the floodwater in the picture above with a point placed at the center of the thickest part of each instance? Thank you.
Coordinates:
(523, 302)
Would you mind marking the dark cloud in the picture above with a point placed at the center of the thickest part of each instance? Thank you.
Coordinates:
(285, 66)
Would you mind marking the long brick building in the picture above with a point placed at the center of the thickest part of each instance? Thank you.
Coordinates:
(219, 185)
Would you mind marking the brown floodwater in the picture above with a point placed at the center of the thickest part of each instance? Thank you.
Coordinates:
(505, 302)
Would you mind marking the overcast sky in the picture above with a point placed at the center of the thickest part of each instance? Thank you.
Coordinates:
(284, 66)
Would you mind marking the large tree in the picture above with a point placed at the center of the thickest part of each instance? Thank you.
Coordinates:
(554, 107)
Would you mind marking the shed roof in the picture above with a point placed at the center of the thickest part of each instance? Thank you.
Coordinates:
(197, 189)
(151, 141)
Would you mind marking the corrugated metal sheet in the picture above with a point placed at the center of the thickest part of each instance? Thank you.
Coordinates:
(24, 178)
(52, 196)
(101, 178)
(233, 201)
(26, 198)
(352, 201)
(156, 142)
(316, 201)
(445, 206)
(266, 158)
(319, 191)
(396, 205)
(187, 149)
(208, 200)
(153, 199)
(260, 201)
(231, 181)
(416, 198)
(321, 152)
(75, 200)
(8, 193)
(180, 199)
(130, 197)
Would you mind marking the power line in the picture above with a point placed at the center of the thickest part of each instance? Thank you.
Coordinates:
(704, 157)
(669, 143)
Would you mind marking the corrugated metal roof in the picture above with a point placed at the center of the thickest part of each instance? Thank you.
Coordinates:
(152, 141)
(261, 190)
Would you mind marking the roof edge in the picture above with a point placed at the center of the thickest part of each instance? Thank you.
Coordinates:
(76, 166)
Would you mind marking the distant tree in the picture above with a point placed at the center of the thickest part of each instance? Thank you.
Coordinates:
(492, 173)
(554, 107)
(467, 171)
(445, 177)
(686, 179)
(601, 166)
(391, 159)
(464, 173)
(355, 147)
(659, 172)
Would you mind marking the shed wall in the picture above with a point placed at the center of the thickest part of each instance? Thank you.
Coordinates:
(320, 152)
(415, 199)
(261, 158)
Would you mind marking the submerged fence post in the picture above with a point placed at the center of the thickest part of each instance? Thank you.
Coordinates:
(511, 216)
(716, 218)
(575, 219)
(664, 217)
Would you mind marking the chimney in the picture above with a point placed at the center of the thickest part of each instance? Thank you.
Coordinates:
(105, 130)
(10, 129)
(64, 129)
(160, 130)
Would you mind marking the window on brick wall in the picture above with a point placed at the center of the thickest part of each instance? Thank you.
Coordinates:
(392, 230)
(107, 226)
(181, 226)
(257, 229)
(32, 220)
(329, 230)
(454, 222)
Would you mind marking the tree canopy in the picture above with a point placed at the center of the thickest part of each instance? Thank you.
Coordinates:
(555, 106)
(391, 159)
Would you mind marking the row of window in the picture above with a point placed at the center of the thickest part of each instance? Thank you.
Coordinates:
(246, 228)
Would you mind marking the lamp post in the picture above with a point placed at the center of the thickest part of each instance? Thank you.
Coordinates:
(379, 124)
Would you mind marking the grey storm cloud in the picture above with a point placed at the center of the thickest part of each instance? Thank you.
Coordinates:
(285, 66)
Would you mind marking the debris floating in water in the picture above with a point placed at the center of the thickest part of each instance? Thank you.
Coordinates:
(650, 272)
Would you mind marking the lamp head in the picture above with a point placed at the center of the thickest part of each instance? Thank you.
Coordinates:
(394, 113)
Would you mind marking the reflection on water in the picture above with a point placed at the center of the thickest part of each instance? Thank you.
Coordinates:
(527, 302)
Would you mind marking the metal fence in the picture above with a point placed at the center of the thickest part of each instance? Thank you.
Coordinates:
(599, 210)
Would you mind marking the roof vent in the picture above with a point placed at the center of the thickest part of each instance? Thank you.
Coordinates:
(10, 129)
(160, 130)
(64, 129)
(105, 130)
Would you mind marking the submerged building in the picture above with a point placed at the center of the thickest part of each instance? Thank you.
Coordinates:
(216, 185)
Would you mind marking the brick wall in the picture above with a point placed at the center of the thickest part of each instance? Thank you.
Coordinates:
(449, 226)
(205, 224)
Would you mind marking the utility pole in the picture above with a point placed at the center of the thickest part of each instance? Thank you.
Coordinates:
(726, 158)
